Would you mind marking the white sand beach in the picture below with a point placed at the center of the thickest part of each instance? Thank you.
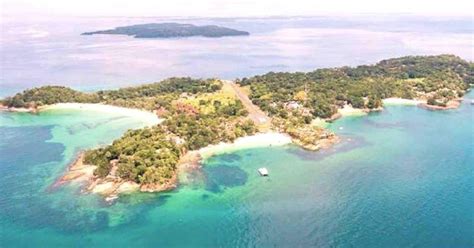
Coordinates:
(319, 122)
(257, 140)
(348, 110)
(146, 116)
(401, 101)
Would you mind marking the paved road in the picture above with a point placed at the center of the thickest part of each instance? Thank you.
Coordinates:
(257, 115)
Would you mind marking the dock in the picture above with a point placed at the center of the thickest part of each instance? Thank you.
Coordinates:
(263, 172)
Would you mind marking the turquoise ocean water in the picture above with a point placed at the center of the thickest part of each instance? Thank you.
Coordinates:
(400, 178)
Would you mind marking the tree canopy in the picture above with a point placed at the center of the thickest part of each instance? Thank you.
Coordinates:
(442, 77)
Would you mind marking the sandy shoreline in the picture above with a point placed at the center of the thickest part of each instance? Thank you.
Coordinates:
(146, 116)
(254, 141)
(401, 101)
(348, 110)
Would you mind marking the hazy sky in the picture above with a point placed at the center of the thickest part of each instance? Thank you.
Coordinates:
(232, 7)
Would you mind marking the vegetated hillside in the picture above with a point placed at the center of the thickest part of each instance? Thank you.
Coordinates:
(169, 30)
(197, 113)
(437, 79)
(147, 96)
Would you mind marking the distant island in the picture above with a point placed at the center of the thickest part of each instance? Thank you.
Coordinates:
(171, 30)
(199, 113)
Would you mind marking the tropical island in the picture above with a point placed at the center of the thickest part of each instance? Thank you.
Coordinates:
(199, 113)
(171, 30)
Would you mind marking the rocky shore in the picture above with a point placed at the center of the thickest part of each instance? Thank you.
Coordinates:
(348, 110)
(111, 186)
(453, 104)
(19, 110)
(77, 172)
(323, 143)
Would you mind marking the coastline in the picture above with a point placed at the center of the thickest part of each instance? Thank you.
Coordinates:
(453, 104)
(257, 140)
(18, 110)
(77, 171)
(148, 117)
(112, 186)
(401, 101)
(348, 110)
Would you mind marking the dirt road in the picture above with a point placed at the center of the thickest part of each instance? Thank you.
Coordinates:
(255, 113)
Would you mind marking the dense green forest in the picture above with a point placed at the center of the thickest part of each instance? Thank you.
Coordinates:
(137, 152)
(319, 93)
(147, 96)
(150, 155)
(47, 95)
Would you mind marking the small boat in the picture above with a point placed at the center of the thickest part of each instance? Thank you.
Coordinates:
(263, 172)
(111, 198)
(472, 102)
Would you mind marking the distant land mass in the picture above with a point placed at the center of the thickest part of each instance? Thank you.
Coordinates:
(171, 30)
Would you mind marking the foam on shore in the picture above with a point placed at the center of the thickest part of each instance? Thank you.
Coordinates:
(146, 116)
(257, 140)
(401, 101)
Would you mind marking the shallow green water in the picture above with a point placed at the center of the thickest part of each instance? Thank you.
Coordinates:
(402, 177)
